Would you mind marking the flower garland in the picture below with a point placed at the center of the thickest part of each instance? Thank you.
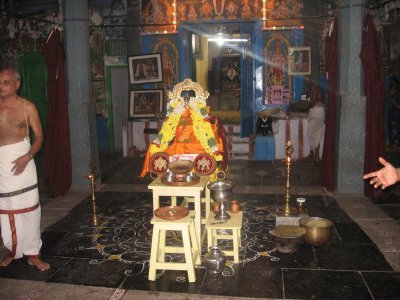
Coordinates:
(201, 126)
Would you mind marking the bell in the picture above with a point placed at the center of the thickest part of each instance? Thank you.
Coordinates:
(215, 260)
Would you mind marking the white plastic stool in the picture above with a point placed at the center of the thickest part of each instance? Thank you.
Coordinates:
(158, 248)
(234, 224)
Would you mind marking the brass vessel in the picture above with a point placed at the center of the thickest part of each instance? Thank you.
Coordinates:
(318, 230)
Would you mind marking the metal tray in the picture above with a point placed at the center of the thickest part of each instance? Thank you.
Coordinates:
(171, 179)
(171, 212)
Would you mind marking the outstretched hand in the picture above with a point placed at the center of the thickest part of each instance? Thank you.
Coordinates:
(384, 177)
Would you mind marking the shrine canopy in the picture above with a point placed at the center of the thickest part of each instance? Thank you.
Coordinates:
(188, 131)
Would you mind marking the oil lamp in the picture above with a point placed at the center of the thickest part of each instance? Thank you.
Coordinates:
(286, 210)
(91, 176)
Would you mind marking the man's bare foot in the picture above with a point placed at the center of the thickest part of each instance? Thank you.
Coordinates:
(38, 263)
(6, 261)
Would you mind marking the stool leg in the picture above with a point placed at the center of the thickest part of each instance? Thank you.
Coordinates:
(235, 246)
(161, 246)
(208, 202)
(188, 254)
(173, 200)
(154, 253)
(195, 244)
(156, 200)
(209, 238)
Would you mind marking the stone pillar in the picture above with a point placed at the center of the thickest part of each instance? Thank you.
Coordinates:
(350, 117)
(133, 31)
(82, 111)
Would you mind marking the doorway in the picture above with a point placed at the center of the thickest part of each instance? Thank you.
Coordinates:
(216, 66)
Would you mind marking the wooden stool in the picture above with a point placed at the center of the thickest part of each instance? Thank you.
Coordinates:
(234, 224)
(158, 248)
(206, 200)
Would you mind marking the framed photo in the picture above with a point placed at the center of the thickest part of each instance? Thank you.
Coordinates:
(145, 103)
(299, 61)
(145, 68)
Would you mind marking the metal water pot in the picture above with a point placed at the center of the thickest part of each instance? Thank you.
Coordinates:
(215, 260)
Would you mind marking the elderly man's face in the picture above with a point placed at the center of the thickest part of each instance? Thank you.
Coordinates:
(9, 84)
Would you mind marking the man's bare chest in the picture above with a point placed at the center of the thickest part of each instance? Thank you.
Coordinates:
(11, 118)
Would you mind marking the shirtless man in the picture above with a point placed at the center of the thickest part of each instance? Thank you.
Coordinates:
(20, 211)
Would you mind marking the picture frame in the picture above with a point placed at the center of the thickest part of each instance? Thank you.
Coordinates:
(299, 61)
(145, 103)
(145, 68)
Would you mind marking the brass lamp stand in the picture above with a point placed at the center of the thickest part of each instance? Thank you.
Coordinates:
(286, 210)
(91, 176)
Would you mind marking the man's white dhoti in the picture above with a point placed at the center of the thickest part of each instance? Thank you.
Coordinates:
(316, 126)
(20, 212)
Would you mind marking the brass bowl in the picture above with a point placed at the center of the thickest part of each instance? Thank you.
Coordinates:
(287, 237)
(180, 166)
(318, 230)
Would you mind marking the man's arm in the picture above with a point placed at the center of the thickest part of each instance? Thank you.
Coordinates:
(36, 126)
(384, 177)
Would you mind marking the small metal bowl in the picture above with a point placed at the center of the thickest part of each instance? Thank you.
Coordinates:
(318, 230)
(181, 166)
(287, 237)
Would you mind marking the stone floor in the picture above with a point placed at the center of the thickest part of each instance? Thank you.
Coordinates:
(361, 261)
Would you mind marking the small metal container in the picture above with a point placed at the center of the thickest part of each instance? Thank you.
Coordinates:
(234, 206)
(215, 260)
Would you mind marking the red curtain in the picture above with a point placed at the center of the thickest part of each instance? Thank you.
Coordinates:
(57, 149)
(327, 169)
(374, 92)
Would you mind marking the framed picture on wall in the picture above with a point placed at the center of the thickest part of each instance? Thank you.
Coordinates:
(145, 68)
(145, 103)
(299, 61)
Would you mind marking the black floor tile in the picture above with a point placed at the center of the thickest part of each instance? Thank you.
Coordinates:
(91, 272)
(19, 269)
(323, 284)
(50, 238)
(351, 233)
(351, 256)
(74, 245)
(392, 210)
(383, 285)
(239, 281)
(335, 214)
(78, 223)
(312, 200)
(166, 281)
(261, 252)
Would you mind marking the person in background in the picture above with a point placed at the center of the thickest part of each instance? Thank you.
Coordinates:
(316, 121)
(20, 211)
(384, 177)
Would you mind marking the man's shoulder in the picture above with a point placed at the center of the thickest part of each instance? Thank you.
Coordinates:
(28, 104)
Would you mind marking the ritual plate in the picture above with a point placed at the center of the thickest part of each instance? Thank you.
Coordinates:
(159, 163)
(287, 231)
(204, 164)
(171, 212)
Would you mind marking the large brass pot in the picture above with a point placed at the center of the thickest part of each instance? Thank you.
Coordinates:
(318, 230)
